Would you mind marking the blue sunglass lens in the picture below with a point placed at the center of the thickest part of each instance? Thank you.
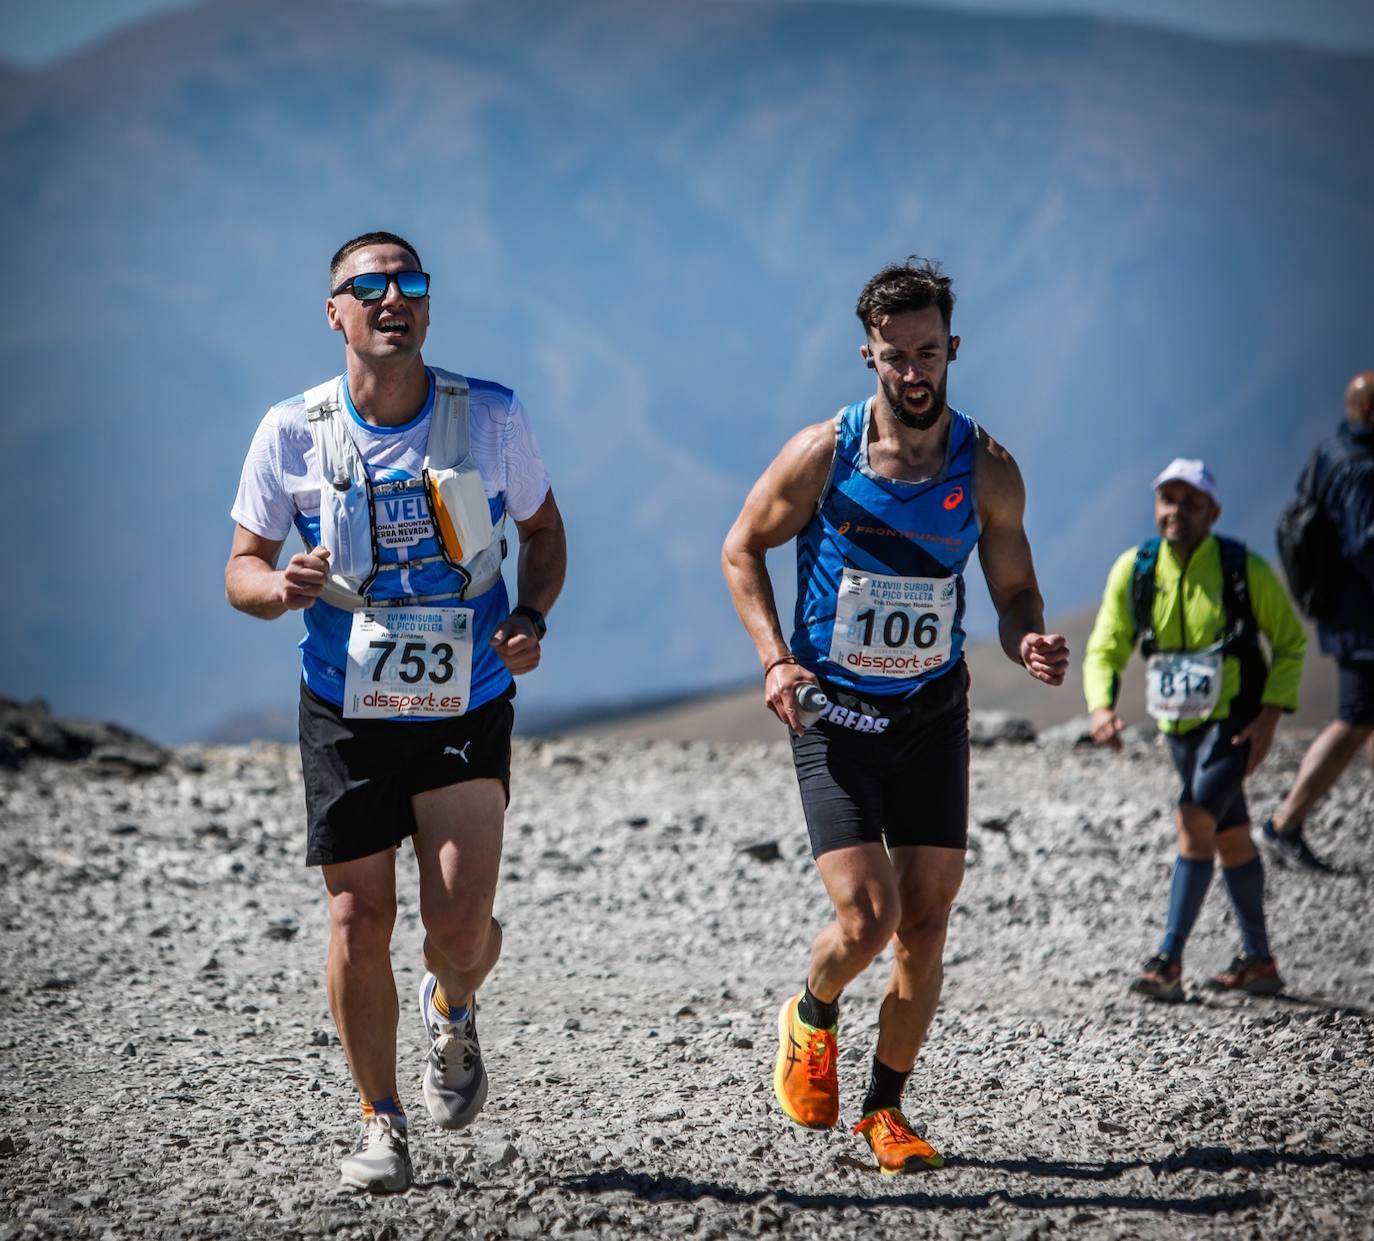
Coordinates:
(412, 283)
(371, 287)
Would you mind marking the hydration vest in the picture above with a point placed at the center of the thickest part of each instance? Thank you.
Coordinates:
(469, 543)
(1241, 637)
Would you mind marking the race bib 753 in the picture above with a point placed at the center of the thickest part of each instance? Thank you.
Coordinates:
(408, 661)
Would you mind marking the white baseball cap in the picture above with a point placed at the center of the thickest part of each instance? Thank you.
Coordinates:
(1191, 471)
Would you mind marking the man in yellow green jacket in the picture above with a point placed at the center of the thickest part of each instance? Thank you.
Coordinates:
(1196, 605)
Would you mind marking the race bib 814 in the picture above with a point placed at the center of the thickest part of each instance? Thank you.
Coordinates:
(1182, 686)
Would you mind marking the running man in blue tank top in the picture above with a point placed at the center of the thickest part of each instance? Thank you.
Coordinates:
(886, 502)
(398, 478)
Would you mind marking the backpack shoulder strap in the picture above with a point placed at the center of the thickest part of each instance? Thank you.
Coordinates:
(324, 414)
(1143, 594)
(1235, 591)
(450, 439)
(1335, 455)
(1307, 484)
(449, 381)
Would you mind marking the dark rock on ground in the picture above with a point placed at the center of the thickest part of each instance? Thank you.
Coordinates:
(30, 730)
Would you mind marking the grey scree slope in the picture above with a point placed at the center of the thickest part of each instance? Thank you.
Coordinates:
(168, 1067)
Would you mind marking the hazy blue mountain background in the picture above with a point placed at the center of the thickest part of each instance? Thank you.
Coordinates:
(652, 220)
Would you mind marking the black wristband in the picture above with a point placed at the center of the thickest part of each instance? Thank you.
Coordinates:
(535, 617)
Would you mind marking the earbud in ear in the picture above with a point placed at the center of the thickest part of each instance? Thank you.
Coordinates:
(868, 362)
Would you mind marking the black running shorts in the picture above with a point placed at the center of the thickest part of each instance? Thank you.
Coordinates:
(1355, 681)
(1213, 771)
(361, 774)
(904, 782)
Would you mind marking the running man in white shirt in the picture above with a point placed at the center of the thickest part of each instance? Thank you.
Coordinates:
(398, 478)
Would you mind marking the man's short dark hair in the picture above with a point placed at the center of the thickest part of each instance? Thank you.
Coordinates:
(360, 243)
(899, 287)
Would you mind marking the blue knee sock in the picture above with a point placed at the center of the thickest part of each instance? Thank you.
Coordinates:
(1245, 886)
(1192, 877)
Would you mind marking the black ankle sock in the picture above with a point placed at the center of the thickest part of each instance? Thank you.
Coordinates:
(816, 1012)
(884, 1087)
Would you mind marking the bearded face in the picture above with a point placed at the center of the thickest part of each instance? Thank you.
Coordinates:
(911, 353)
(917, 405)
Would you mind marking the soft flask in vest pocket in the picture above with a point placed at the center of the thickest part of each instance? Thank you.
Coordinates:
(346, 525)
(461, 513)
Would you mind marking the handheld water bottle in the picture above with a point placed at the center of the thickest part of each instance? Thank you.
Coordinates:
(811, 701)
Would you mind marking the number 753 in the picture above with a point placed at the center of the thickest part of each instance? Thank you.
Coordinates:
(412, 665)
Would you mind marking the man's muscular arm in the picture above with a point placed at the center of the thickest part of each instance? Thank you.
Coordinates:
(779, 506)
(254, 584)
(1005, 554)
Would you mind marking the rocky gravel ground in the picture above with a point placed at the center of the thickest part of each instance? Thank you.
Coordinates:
(168, 1066)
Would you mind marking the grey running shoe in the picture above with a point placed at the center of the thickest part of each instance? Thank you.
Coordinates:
(381, 1160)
(1248, 974)
(455, 1083)
(1289, 848)
(1161, 979)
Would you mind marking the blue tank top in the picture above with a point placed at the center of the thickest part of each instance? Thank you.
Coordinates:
(401, 497)
(880, 586)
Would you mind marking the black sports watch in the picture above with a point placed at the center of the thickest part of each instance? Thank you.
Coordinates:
(535, 617)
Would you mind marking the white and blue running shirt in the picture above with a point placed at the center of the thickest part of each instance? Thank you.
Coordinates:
(280, 488)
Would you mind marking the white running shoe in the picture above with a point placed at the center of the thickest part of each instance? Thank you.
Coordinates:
(455, 1080)
(381, 1160)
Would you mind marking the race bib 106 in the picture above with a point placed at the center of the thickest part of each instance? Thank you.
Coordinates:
(893, 626)
(408, 661)
(1182, 686)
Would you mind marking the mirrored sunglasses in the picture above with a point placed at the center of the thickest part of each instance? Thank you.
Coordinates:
(371, 286)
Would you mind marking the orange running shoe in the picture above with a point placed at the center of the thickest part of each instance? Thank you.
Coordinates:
(896, 1148)
(804, 1078)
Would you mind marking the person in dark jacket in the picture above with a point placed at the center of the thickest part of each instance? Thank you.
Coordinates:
(1347, 635)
